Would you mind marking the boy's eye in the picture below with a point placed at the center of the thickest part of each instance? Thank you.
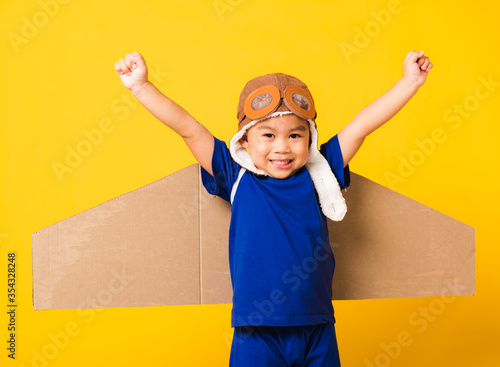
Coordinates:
(295, 136)
(269, 135)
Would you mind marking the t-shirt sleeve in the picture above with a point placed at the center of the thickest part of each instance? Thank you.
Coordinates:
(225, 171)
(333, 154)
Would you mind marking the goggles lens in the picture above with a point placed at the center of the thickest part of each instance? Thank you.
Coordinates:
(261, 101)
(300, 101)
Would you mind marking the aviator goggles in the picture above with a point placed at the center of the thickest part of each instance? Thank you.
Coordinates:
(265, 100)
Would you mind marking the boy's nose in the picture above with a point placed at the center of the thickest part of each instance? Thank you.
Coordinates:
(282, 146)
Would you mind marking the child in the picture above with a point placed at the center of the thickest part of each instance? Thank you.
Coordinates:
(282, 189)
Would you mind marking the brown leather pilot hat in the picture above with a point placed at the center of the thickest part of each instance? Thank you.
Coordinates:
(290, 94)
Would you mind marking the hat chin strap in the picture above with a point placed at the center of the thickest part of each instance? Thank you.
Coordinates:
(331, 201)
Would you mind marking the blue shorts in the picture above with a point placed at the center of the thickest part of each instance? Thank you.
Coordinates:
(310, 345)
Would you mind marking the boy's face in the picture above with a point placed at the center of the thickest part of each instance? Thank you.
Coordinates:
(279, 145)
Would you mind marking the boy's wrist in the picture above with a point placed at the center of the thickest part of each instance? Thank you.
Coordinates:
(410, 82)
(140, 89)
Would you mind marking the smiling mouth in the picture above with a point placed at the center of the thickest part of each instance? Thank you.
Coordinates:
(284, 163)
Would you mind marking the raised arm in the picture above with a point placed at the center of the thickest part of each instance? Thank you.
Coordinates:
(133, 72)
(416, 66)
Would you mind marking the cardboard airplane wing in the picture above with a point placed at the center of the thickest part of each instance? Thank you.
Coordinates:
(167, 244)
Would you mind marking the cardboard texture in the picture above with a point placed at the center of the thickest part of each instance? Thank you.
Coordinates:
(166, 244)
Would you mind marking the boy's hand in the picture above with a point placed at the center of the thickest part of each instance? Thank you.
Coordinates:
(132, 70)
(416, 66)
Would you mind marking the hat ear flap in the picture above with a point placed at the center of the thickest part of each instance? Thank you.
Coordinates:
(330, 197)
(239, 153)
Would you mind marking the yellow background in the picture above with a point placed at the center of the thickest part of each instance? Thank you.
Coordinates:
(57, 81)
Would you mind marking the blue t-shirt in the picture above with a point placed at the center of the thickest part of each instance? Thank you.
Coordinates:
(280, 258)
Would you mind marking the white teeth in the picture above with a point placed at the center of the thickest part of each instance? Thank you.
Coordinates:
(281, 162)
